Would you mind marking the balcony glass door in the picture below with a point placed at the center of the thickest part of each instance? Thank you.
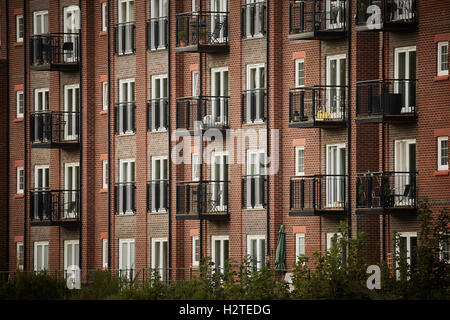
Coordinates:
(159, 182)
(219, 252)
(406, 73)
(218, 21)
(159, 105)
(255, 172)
(126, 18)
(335, 186)
(127, 177)
(219, 176)
(335, 14)
(255, 93)
(159, 11)
(405, 250)
(40, 22)
(71, 259)
(71, 111)
(160, 257)
(219, 90)
(71, 190)
(336, 78)
(254, 17)
(41, 256)
(126, 111)
(405, 168)
(71, 29)
(42, 119)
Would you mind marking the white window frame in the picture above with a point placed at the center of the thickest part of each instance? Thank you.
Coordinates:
(20, 248)
(125, 177)
(330, 236)
(161, 95)
(72, 243)
(340, 106)
(222, 240)
(104, 16)
(260, 247)
(442, 252)
(19, 28)
(129, 268)
(300, 250)
(408, 236)
(195, 163)
(127, 84)
(442, 72)
(258, 21)
(298, 62)
(259, 85)
(297, 160)
(440, 165)
(104, 253)
(75, 88)
(70, 197)
(195, 83)
(218, 189)
(218, 102)
(407, 51)
(20, 170)
(45, 170)
(45, 254)
(256, 160)
(163, 163)
(195, 261)
(105, 95)
(334, 169)
(19, 103)
(44, 16)
(158, 11)
(104, 174)
(128, 16)
(44, 92)
(161, 269)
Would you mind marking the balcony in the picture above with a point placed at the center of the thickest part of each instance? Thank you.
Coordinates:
(253, 20)
(203, 200)
(318, 195)
(51, 129)
(392, 101)
(254, 192)
(55, 52)
(125, 38)
(388, 192)
(254, 106)
(317, 106)
(202, 32)
(317, 19)
(202, 113)
(158, 115)
(158, 196)
(386, 15)
(125, 118)
(158, 34)
(55, 207)
(125, 198)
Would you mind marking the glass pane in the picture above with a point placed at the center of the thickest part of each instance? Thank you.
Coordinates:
(225, 250)
(225, 83)
(125, 255)
(69, 255)
(77, 254)
(412, 64)
(45, 257)
(157, 254)
(131, 255)
(39, 257)
(401, 65)
(217, 261)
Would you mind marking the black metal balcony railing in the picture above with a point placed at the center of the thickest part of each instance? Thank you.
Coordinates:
(157, 196)
(254, 106)
(254, 191)
(125, 118)
(325, 193)
(392, 97)
(203, 30)
(55, 206)
(386, 190)
(125, 198)
(51, 128)
(253, 19)
(392, 12)
(125, 38)
(202, 198)
(55, 51)
(158, 114)
(317, 105)
(202, 113)
(158, 33)
(314, 19)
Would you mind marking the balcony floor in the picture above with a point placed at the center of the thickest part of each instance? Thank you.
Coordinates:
(387, 118)
(400, 26)
(319, 35)
(318, 212)
(204, 48)
(55, 145)
(210, 216)
(64, 67)
(391, 211)
(319, 124)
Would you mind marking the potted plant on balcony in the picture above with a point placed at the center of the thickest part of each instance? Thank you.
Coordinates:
(202, 36)
(182, 38)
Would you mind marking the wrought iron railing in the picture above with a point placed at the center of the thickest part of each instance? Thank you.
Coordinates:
(317, 15)
(202, 197)
(253, 19)
(158, 33)
(125, 198)
(386, 189)
(395, 11)
(125, 38)
(386, 97)
(254, 106)
(318, 192)
(158, 196)
(254, 191)
(55, 205)
(202, 113)
(202, 28)
(54, 127)
(317, 103)
(125, 117)
(158, 114)
(55, 48)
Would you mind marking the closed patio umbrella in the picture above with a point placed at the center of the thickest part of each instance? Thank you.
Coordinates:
(280, 256)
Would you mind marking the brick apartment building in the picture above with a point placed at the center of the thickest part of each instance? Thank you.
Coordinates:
(357, 91)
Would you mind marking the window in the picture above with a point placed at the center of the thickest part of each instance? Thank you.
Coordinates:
(105, 174)
(335, 93)
(159, 184)
(40, 256)
(71, 111)
(255, 94)
(256, 160)
(20, 180)
(445, 248)
(195, 83)
(105, 95)
(405, 249)
(127, 174)
(19, 256)
(105, 253)
(126, 27)
(126, 116)
(194, 6)
(219, 185)
(405, 68)
(254, 18)
(405, 172)
(300, 161)
(19, 103)
(71, 254)
(160, 257)
(299, 245)
(333, 239)
(40, 22)
(159, 103)
(72, 190)
(443, 58)
(219, 93)
(335, 180)
(442, 153)
(219, 252)
(195, 251)
(19, 28)
(41, 177)
(195, 167)
(159, 26)
(104, 17)
(256, 249)
(41, 99)
(72, 26)
(299, 73)
(126, 258)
